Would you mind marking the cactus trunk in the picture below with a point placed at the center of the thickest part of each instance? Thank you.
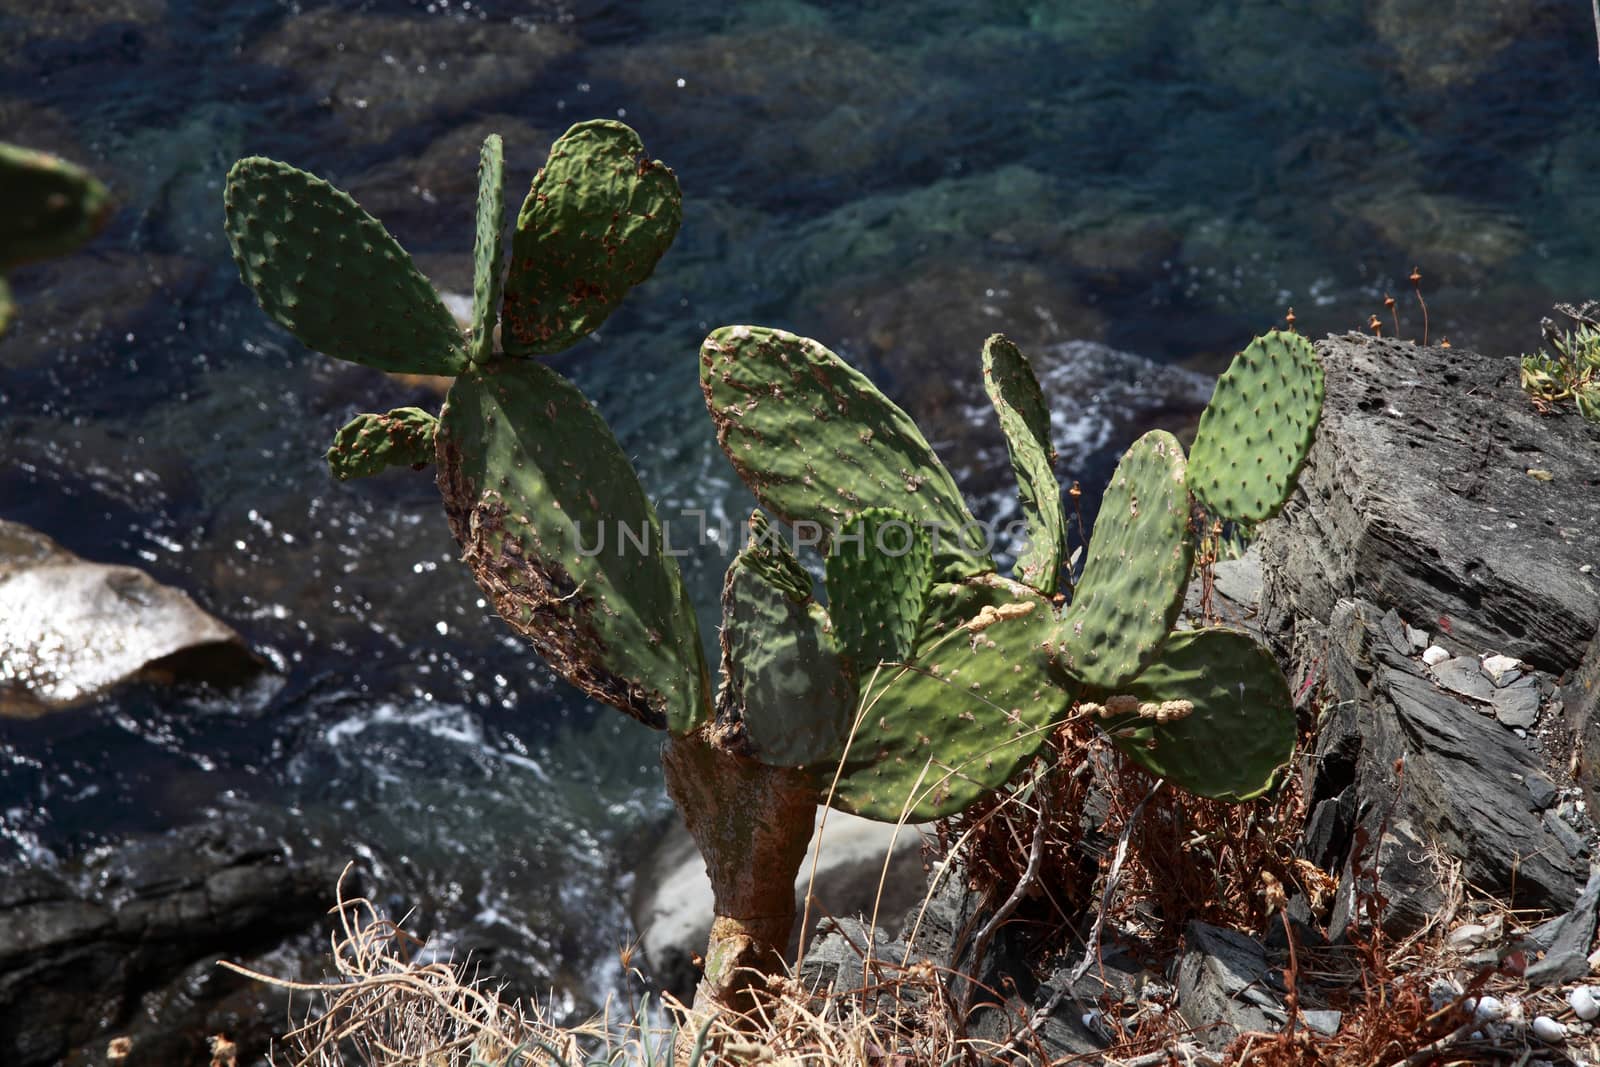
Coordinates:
(752, 823)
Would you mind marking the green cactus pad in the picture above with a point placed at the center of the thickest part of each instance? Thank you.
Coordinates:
(877, 574)
(51, 206)
(330, 274)
(817, 442)
(1255, 434)
(783, 675)
(1137, 570)
(1242, 730)
(973, 706)
(598, 218)
(1025, 419)
(487, 277)
(369, 444)
(7, 308)
(558, 532)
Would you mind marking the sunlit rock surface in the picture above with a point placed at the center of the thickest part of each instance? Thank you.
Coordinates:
(70, 628)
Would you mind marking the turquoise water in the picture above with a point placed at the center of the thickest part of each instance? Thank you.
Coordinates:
(1131, 190)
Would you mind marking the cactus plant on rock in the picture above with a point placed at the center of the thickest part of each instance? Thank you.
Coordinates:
(923, 682)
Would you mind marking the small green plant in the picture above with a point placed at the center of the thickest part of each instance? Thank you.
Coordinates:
(926, 678)
(51, 208)
(1567, 368)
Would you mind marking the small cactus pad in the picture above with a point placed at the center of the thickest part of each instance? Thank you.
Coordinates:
(330, 274)
(369, 444)
(817, 442)
(1133, 583)
(877, 573)
(51, 206)
(1241, 732)
(1025, 419)
(599, 216)
(487, 247)
(1255, 434)
(975, 704)
(783, 675)
(558, 532)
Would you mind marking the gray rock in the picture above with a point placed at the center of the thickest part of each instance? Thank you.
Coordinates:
(1580, 706)
(70, 629)
(1462, 677)
(1410, 888)
(1227, 985)
(1418, 638)
(1414, 511)
(1565, 940)
(672, 908)
(1517, 705)
(1239, 580)
(1465, 779)
(1541, 791)
(1324, 1022)
(82, 948)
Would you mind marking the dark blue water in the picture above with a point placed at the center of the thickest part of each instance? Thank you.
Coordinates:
(897, 180)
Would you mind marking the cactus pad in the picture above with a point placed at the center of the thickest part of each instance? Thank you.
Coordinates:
(1242, 730)
(1025, 418)
(783, 675)
(817, 442)
(877, 574)
(487, 248)
(598, 218)
(7, 307)
(368, 444)
(558, 532)
(1137, 570)
(1255, 434)
(51, 206)
(973, 706)
(330, 274)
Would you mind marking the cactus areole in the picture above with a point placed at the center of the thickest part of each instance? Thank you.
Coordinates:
(925, 679)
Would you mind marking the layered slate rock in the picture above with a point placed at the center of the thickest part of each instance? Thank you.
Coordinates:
(1418, 526)
(70, 628)
(85, 947)
(1418, 496)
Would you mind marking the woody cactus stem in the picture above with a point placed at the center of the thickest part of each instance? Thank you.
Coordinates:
(752, 823)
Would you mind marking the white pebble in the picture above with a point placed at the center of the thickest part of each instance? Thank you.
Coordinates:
(1547, 1029)
(1433, 655)
(1583, 1003)
(1487, 1009)
(1497, 667)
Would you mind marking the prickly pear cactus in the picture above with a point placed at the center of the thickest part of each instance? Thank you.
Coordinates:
(785, 680)
(1137, 569)
(599, 216)
(1256, 432)
(877, 574)
(1239, 731)
(968, 709)
(51, 208)
(370, 444)
(554, 525)
(330, 274)
(1025, 420)
(817, 442)
(488, 280)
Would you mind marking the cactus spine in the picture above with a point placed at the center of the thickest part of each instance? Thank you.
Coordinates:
(925, 681)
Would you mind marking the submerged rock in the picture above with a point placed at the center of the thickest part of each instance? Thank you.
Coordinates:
(87, 948)
(70, 628)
